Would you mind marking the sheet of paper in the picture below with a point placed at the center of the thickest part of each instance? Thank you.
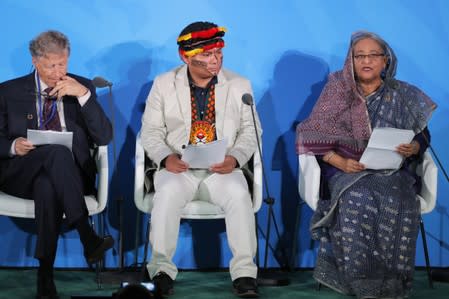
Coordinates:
(40, 137)
(380, 152)
(204, 155)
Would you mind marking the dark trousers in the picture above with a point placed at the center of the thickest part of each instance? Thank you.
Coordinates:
(49, 176)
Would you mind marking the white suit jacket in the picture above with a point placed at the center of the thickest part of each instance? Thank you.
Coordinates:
(166, 121)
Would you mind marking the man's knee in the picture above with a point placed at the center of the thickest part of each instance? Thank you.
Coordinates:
(57, 150)
(230, 189)
(170, 200)
(58, 154)
(172, 185)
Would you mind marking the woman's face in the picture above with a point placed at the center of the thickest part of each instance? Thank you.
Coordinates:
(369, 61)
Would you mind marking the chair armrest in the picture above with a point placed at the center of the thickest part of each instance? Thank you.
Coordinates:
(101, 160)
(257, 182)
(139, 174)
(428, 172)
(309, 176)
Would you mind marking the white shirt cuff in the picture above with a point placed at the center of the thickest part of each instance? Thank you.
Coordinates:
(83, 99)
(12, 150)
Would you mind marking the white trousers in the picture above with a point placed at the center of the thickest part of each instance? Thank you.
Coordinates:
(228, 191)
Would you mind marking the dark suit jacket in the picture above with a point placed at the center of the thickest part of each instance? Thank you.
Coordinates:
(89, 124)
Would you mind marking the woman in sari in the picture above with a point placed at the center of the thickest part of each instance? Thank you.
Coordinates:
(368, 222)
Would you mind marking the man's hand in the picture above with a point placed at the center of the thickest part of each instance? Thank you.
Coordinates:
(408, 149)
(68, 86)
(175, 165)
(23, 146)
(226, 166)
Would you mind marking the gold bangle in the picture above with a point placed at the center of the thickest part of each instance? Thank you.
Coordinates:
(328, 156)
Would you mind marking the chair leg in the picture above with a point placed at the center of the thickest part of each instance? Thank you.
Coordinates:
(257, 240)
(98, 264)
(137, 236)
(145, 251)
(426, 253)
(297, 222)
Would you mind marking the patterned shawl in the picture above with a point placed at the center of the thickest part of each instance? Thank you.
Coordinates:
(342, 119)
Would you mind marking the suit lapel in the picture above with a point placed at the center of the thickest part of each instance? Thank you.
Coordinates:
(221, 96)
(31, 113)
(183, 96)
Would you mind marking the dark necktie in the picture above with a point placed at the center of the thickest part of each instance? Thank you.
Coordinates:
(50, 119)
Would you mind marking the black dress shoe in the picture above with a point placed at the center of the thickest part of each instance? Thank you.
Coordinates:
(163, 284)
(95, 254)
(245, 287)
(46, 288)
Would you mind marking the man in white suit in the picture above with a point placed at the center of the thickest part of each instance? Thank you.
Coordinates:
(195, 103)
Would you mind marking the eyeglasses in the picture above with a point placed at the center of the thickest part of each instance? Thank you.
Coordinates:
(372, 56)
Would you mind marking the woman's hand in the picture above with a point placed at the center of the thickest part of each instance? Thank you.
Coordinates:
(345, 164)
(352, 166)
(408, 149)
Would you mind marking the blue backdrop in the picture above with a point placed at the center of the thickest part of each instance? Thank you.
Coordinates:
(286, 48)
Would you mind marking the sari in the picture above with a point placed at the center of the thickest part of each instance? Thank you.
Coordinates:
(368, 225)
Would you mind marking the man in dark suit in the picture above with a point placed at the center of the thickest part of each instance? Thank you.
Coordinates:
(53, 176)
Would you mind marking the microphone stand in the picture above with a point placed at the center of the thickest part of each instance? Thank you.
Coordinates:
(442, 274)
(119, 198)
(120, 276)
(263, 278)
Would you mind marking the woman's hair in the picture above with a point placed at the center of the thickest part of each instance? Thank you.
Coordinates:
(389, 72)
(359, 35)
(49, 42)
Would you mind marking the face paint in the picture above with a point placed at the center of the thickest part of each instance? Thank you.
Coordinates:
(198, 63)
(203, 65)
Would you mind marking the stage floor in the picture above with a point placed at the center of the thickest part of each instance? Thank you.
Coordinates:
(21, 284)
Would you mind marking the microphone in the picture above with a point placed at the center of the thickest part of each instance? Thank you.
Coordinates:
(100, 82)
(247, 99)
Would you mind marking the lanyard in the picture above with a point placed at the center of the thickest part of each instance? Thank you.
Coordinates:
(41, 112)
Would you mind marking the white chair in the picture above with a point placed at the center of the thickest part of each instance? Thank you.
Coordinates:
(196, 209)
(24, 208)
(309, 179)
